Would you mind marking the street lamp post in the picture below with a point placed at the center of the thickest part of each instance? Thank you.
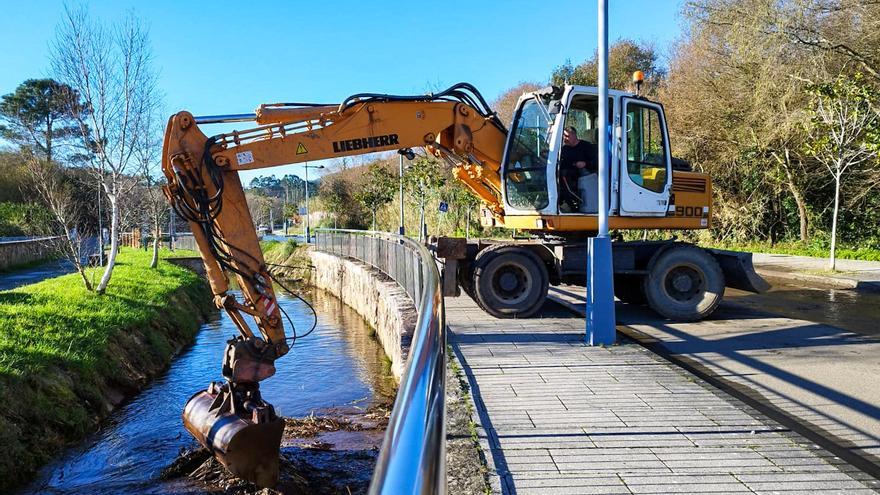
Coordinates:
(401, 230)
(308, 220)
(408, 153)
(286, 200)
(600, 272)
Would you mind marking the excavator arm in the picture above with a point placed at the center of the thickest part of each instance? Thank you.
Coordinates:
(230, 418)
(471, 140)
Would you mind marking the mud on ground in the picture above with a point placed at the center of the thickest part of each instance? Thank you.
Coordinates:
(334, 452)
(329, 453)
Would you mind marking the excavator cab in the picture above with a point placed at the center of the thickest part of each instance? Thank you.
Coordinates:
(539, 185)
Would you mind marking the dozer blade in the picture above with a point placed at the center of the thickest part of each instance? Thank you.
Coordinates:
(248, 444)
(739, 272)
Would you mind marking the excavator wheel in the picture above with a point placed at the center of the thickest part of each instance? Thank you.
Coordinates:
(684, 283)
(509, 281)
(628, 288)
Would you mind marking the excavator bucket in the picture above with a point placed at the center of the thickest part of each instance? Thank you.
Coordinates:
(248, 443)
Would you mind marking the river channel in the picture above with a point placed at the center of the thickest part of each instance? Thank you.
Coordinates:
(338, 365)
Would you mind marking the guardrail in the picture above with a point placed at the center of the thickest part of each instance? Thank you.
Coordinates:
(413, 455)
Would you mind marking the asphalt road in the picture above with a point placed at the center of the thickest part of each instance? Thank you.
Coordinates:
(49, 269)
(34, 274)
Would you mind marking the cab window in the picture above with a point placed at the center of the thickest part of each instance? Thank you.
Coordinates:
(645, 147)
(526, 166)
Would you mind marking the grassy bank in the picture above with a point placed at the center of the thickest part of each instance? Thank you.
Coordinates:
(800, 249)
(287, 260)
(69, 356)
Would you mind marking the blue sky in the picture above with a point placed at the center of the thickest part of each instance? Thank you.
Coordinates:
(230, 56)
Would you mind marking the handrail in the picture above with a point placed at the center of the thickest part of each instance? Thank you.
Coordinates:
(413, 455)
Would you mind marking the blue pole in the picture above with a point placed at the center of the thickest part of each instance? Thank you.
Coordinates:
(600, 271)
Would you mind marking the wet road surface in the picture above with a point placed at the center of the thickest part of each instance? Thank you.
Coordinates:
(854, 311)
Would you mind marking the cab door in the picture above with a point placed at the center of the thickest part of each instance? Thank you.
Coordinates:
(645, 165)
(528, 159)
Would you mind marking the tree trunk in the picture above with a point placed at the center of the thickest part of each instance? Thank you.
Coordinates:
(423, 229)
(832, 263)
(154, 262)
(74, 254)
(85, 279)
(798, 198)
(114, 243)
(48, 140)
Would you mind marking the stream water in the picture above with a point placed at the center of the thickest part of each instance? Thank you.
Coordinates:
(340, 364)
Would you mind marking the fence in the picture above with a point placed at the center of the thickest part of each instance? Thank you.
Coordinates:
(184, 240)
(413, 455)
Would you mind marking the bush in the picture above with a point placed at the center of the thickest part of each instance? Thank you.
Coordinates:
(19, 219)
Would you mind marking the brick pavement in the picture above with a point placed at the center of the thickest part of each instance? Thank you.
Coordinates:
(820, 375)
(556, 416)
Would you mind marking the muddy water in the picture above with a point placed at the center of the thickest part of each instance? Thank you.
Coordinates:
(340, 364)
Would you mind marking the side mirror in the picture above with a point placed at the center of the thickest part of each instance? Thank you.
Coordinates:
(554, 107)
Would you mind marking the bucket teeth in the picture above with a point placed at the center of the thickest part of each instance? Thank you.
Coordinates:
(246, 439)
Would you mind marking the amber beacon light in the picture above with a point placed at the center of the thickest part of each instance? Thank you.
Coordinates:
(638, 79)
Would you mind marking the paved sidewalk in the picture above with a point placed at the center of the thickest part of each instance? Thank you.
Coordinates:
(559, 417)
(824, 377)
(853, 274)
(32, 275)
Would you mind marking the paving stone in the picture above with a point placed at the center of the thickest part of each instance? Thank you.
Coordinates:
(562, 417)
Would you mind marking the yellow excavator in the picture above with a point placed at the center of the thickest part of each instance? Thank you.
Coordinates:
(518, 178)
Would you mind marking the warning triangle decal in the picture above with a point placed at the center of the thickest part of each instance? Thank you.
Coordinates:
(301, 150)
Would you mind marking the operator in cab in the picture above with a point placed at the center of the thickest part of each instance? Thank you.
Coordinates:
(579, 159)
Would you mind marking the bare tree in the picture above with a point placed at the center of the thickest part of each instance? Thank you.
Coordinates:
(148, 154)
(841, 131)
(47, 182)
(110, 68)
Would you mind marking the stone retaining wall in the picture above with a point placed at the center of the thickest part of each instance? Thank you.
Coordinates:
(376, 297)
(14, 253)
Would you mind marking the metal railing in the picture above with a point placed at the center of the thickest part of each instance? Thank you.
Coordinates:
(413, 455)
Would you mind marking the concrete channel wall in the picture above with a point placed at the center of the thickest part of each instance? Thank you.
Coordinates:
(19, 252)
(375, 296)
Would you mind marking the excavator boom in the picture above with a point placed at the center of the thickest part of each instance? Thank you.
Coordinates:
(230, 418)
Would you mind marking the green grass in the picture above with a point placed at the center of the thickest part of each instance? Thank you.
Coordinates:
(799, 249)
(68, 355)
(287, 259)
(177, 253)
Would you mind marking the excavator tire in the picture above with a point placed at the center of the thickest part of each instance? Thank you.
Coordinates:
(684, 283)
(509, 281)
(628, 288)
